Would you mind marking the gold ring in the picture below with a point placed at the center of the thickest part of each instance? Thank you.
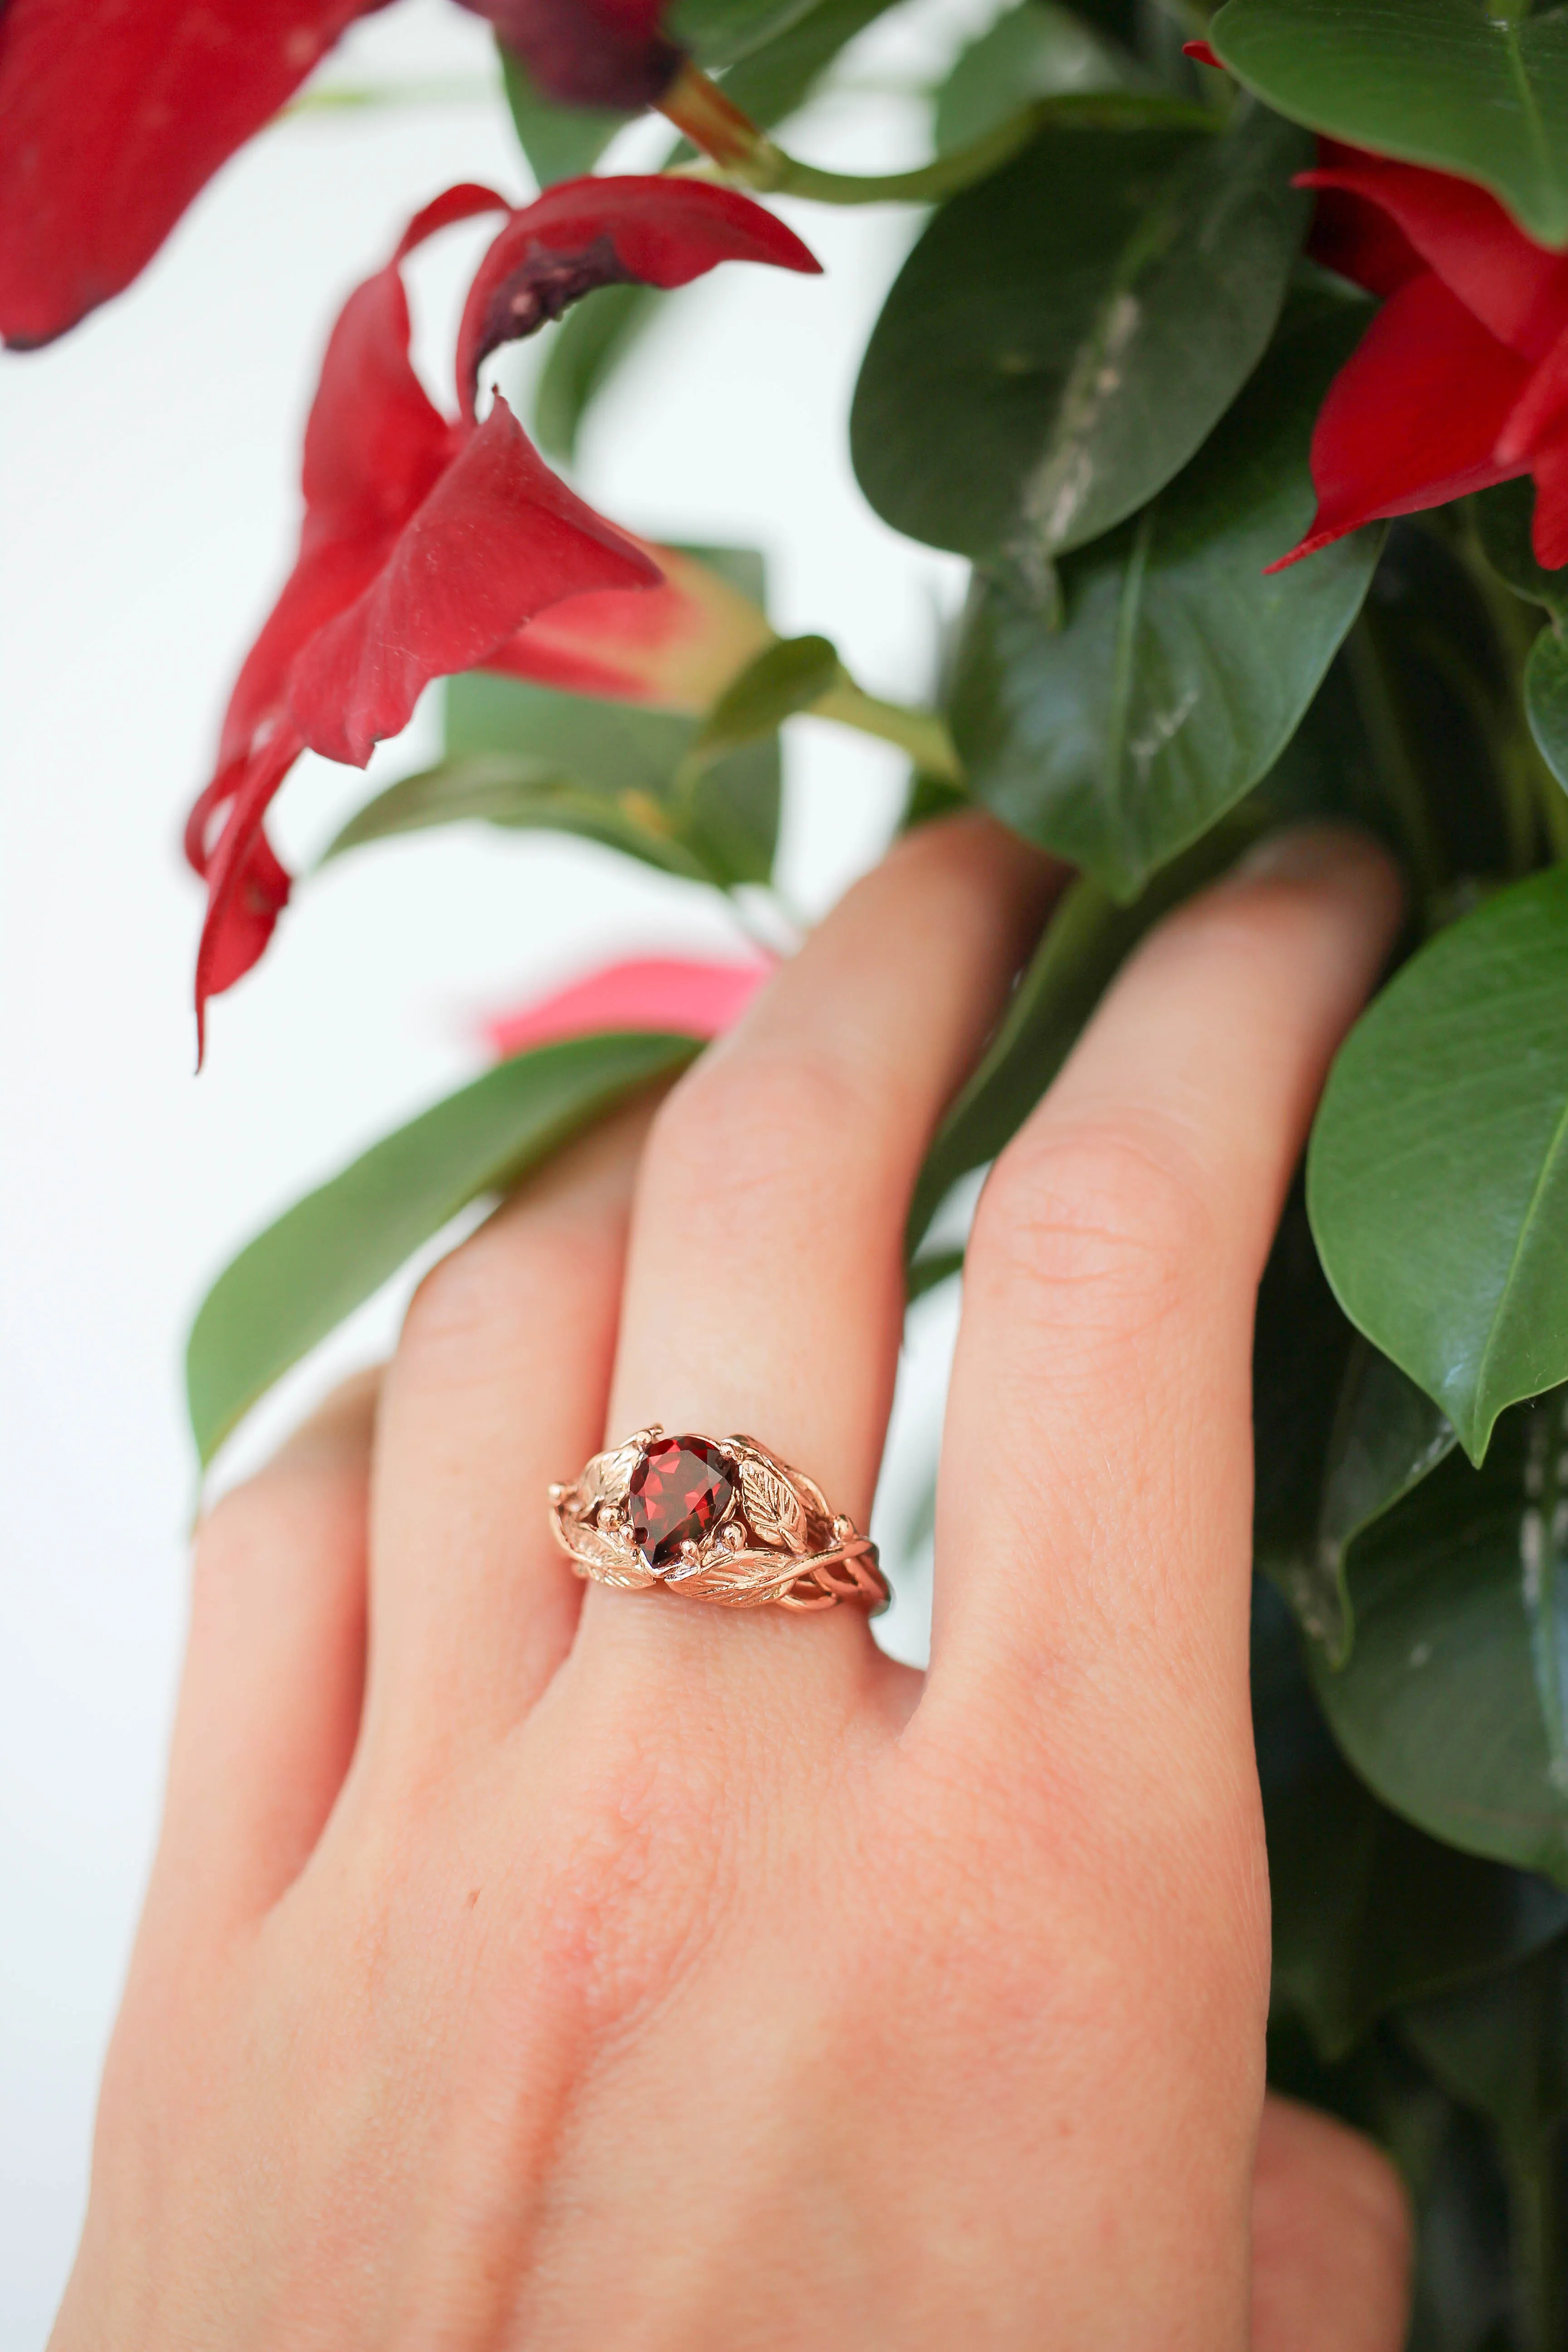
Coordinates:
(717, 1519)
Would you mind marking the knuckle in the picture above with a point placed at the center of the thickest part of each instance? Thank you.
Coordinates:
(1099, 1221)
(741, 1127)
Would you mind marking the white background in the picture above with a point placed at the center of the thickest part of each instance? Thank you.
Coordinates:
(147, 491)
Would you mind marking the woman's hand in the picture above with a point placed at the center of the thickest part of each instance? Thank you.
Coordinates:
(533, 1965)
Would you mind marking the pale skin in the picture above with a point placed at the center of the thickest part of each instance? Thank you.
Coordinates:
(533, 1965)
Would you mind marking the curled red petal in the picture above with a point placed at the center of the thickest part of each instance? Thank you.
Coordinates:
(1540, 409)
(1203, 53)
(1360, 242)
(606, 53)
(1412, 419)
(499, 537)
(674, 992)
(114, 113)
(465, 202)
(247, 888)
(637, 229)
(1514, 286)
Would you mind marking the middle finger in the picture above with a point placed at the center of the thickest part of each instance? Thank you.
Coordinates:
(764, 1288)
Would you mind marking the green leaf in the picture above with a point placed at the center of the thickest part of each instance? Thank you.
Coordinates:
(1502, 517)
(1437, 1178)
(1033, 50)
(1452, 83)
(1546, 701)
(1453, 1704)
(332, 1250)
(1340, 1436)
(1086, 942)
(1368, 1912)
(527, 757)
(1502, 2046)
(1177, 672)
(1065, 334)
(718, 32)
(784, 678)
(559, 141)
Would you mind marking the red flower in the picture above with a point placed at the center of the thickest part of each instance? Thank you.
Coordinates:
(608, 53)
(698, 999)
(1461, 380)
(673, 647)
(114, 113)
(428, 544)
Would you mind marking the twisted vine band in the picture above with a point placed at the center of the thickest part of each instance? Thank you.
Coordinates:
(719, 1520)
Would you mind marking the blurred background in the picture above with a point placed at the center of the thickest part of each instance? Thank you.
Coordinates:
(148, 469)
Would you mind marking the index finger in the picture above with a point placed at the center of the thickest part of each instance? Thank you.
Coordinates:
(1094, 1513)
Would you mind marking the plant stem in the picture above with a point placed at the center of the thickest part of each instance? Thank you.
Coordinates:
(1534, 794)
(768, 171)
(922, 733)
(1379, 709)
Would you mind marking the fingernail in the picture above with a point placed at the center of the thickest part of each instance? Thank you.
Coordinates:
(1305, 853)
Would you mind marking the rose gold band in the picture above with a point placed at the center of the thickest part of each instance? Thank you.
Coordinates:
(717, 1519)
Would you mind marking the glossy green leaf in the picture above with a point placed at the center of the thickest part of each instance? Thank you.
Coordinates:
(298, 1280)
(718, 32)
(1177, 672)
(559, 141)
(1065, 334)
(1034, 49)
(1086, 942)
(784, 678)
(527, 757)
(1368, 1912)
(1453, 1704)
(1340, 1436)
(1437, 1178)
(1457, 84)
(1546, 701)
(1503, 518)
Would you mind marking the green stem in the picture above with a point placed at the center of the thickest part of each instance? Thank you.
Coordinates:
(1379, 708)
(1534, 794)
(770, 172)
(922, 733)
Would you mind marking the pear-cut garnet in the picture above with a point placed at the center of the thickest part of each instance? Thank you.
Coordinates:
(679, 1489)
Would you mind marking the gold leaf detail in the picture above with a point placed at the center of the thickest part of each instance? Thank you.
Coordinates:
(772, 1505)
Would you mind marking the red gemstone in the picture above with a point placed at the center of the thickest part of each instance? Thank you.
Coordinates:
(679, 1489)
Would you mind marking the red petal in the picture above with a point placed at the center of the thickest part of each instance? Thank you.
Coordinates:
(634, 229)
(247, 889)
(607, 53)
(674, 648)
(1205, 55)
(1549, 531)
(1412, 418)
(698, 999)
(113, 114)
(1514, 286)
(497, 538)
(1541, 405)
(1360, 241)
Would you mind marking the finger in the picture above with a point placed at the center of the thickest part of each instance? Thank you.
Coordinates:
(1096, 1481)
(269, 1702)
(501, 1375)
(1332, 2238)
(765, 1286)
